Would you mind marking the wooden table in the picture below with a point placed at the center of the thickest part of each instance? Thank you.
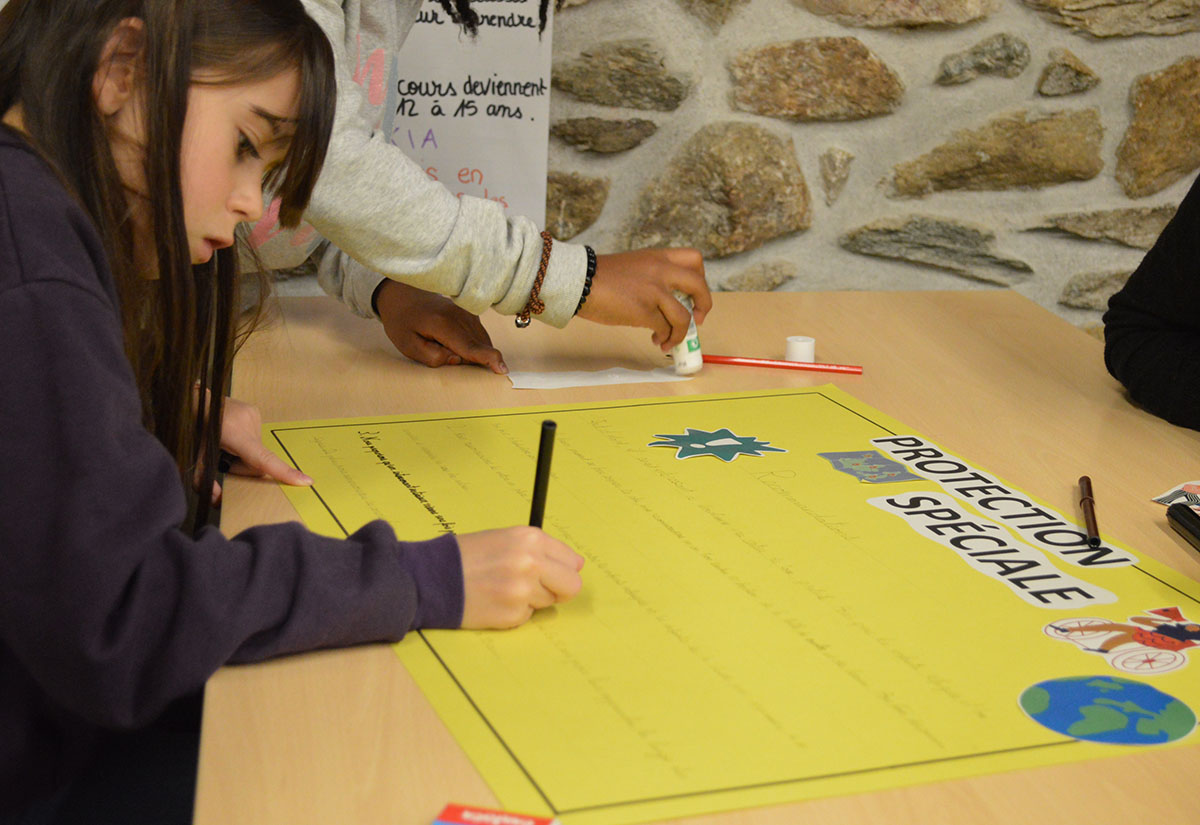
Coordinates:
(346, 736)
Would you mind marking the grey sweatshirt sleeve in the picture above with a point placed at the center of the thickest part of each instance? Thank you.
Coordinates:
(383, 216)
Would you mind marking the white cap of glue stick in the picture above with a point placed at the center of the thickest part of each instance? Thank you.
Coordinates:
(686, 354)
(801, 348)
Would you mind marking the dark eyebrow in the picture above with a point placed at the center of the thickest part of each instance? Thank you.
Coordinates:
(275, 122)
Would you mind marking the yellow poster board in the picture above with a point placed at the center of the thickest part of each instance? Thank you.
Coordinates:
(769, 614)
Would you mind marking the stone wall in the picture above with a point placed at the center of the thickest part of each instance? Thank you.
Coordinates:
(1036, 144)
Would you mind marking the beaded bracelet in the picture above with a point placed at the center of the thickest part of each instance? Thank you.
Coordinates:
(536, 305)
(587, 279)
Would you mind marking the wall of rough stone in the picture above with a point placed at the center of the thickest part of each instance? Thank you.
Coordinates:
(879, 144)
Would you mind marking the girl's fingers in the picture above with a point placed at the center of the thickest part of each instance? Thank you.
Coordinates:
(677, 318)
(263, 462)
(559, 582)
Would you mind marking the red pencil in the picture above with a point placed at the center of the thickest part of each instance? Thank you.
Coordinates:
(737, 360)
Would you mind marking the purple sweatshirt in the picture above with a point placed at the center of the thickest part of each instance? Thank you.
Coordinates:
(108, 610)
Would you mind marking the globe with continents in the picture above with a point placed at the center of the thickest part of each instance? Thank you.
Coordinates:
(1108, 709)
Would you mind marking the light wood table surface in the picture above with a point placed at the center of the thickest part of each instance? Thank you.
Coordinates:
(346, 737)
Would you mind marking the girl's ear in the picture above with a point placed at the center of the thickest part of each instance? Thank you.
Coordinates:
(119, 70)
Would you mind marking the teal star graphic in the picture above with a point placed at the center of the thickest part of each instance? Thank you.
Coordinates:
(721, 443)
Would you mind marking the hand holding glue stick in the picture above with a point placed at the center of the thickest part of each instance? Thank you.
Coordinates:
(686, 354)
(636, 289)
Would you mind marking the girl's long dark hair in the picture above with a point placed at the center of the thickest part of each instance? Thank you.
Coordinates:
(180, 321)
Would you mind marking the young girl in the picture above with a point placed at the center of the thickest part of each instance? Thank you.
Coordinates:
(386, 228)
(136, 134)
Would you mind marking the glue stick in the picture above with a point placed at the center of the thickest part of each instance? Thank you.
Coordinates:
(686, 354)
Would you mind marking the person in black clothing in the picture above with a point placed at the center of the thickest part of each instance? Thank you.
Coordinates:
(136, 134)
(1152, 326)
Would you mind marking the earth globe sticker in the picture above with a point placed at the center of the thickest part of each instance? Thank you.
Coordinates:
(1108, 709)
